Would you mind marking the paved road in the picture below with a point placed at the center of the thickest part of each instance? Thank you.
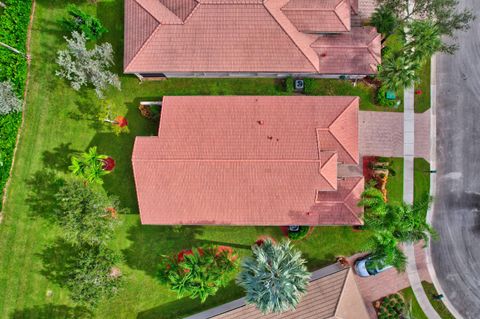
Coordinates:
(456, 257)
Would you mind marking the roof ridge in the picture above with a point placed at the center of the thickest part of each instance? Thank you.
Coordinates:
(347, 28)
(322, 166)
(316, 68)
(348, 195)
(143, 46)
(165, 7)
(229, 160)
(336, 119)
(341, 291)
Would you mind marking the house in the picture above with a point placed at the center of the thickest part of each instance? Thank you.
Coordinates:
(247, 38)
(251, 160)
(332, 294)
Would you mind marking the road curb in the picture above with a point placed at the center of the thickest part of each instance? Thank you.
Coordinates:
(433, 185)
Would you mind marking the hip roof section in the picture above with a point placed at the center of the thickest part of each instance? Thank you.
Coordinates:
(250, 160)
(237, 36)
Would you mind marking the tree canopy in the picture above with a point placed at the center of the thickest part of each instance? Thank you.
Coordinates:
(87, 215)
(275, 278)
(9, 102)
(84, 23)
(82, 67)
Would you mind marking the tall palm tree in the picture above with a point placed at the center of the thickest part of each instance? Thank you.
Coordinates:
(399, 70)
(89, 166)
(275, 278)
(385, 251)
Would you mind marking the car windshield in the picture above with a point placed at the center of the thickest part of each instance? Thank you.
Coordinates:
(374, 267)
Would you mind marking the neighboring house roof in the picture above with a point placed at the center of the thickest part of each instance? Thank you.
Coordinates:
(242, 36)
(332, 294)
(250, 160)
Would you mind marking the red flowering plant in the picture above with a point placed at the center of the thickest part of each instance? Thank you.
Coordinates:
(198, 272)
(119, 123)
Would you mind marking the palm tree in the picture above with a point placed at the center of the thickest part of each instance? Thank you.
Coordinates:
(399, 70)
(89, 166)
(275, 278)
(384, 250)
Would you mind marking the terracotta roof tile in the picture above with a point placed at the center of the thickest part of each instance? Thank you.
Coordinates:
(244, 160)
(319, 15)
(242, 36)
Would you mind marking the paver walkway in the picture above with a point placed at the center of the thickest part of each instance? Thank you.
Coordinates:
(382, 134)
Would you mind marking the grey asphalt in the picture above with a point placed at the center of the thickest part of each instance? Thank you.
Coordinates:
(456, 256)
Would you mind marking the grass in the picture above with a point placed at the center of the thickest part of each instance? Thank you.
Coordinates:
(422, 101)
(438, 305)
(417, 312)
(60, 122)
(395, 183)
(421, 175)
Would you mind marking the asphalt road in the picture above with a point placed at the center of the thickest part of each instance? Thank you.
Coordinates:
(456, 256)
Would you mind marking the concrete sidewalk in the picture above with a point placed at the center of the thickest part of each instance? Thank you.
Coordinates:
(408, 184)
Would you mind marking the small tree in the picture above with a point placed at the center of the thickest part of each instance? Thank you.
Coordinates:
(81, 66)
(384, 20)
(275, 278)
(90, 166)
(82, 22)
(88, 216)
(198, 272)
(92, 276)
(9, 102)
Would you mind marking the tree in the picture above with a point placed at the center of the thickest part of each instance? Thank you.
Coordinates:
(90, 166)
(384, 250)
(398, 70)
(198, 272)
(384, 20)
(82, 22)
(88, 216)
(81, 66)
(275, 278)
(423, 40)
(9, 102)
(445, 14)
(93, 275)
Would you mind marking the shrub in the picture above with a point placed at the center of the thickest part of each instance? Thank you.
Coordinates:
(13, 68)
(300, 234)
(82, 22)
(382, 99)
(198, 272)
(392, 306)
(9, 102)
(289, 84)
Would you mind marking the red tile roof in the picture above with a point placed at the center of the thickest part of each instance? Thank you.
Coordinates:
(250, 160)
(240, 36)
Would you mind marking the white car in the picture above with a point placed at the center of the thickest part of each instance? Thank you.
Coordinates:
(364, 267)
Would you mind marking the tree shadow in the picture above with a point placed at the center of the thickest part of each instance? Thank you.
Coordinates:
(88, 110)
(149, 243)
(42, 188)
(49, 311)
(185, 306)
(58, 260)
(58, 158)
(109, 14)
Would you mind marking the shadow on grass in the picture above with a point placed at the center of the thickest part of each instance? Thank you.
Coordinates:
(151, 242)
(59, 158)
(49, 311)
(58, 260)
(186, 306)
(42, 188)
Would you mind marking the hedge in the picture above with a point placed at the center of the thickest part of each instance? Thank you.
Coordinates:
(14, 20)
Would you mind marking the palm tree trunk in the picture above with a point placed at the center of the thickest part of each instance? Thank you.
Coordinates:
(11, 48)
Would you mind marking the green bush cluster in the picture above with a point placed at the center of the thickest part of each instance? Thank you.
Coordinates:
(84, 23)
(289, 85)
(392, 306)
(382, 98)
(300, 234)
(13, 67)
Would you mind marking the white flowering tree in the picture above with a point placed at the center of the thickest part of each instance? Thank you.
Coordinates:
(9, 102)
(82, 67)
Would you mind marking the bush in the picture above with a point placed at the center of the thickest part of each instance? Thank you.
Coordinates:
(289, 84)
(300, 234)
(382, 98)
(392, 306)
(13, 68)
(84, 23)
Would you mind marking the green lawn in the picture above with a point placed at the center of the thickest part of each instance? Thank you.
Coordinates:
(59, 122)
(422, 101)
(421, 173)
(438, 305)
(395, 183)
(417, 312)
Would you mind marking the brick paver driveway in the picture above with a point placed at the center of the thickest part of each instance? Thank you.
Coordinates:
(389, 281)
(381, 134)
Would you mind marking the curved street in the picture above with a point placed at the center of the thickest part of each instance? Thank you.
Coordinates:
(456, 256)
